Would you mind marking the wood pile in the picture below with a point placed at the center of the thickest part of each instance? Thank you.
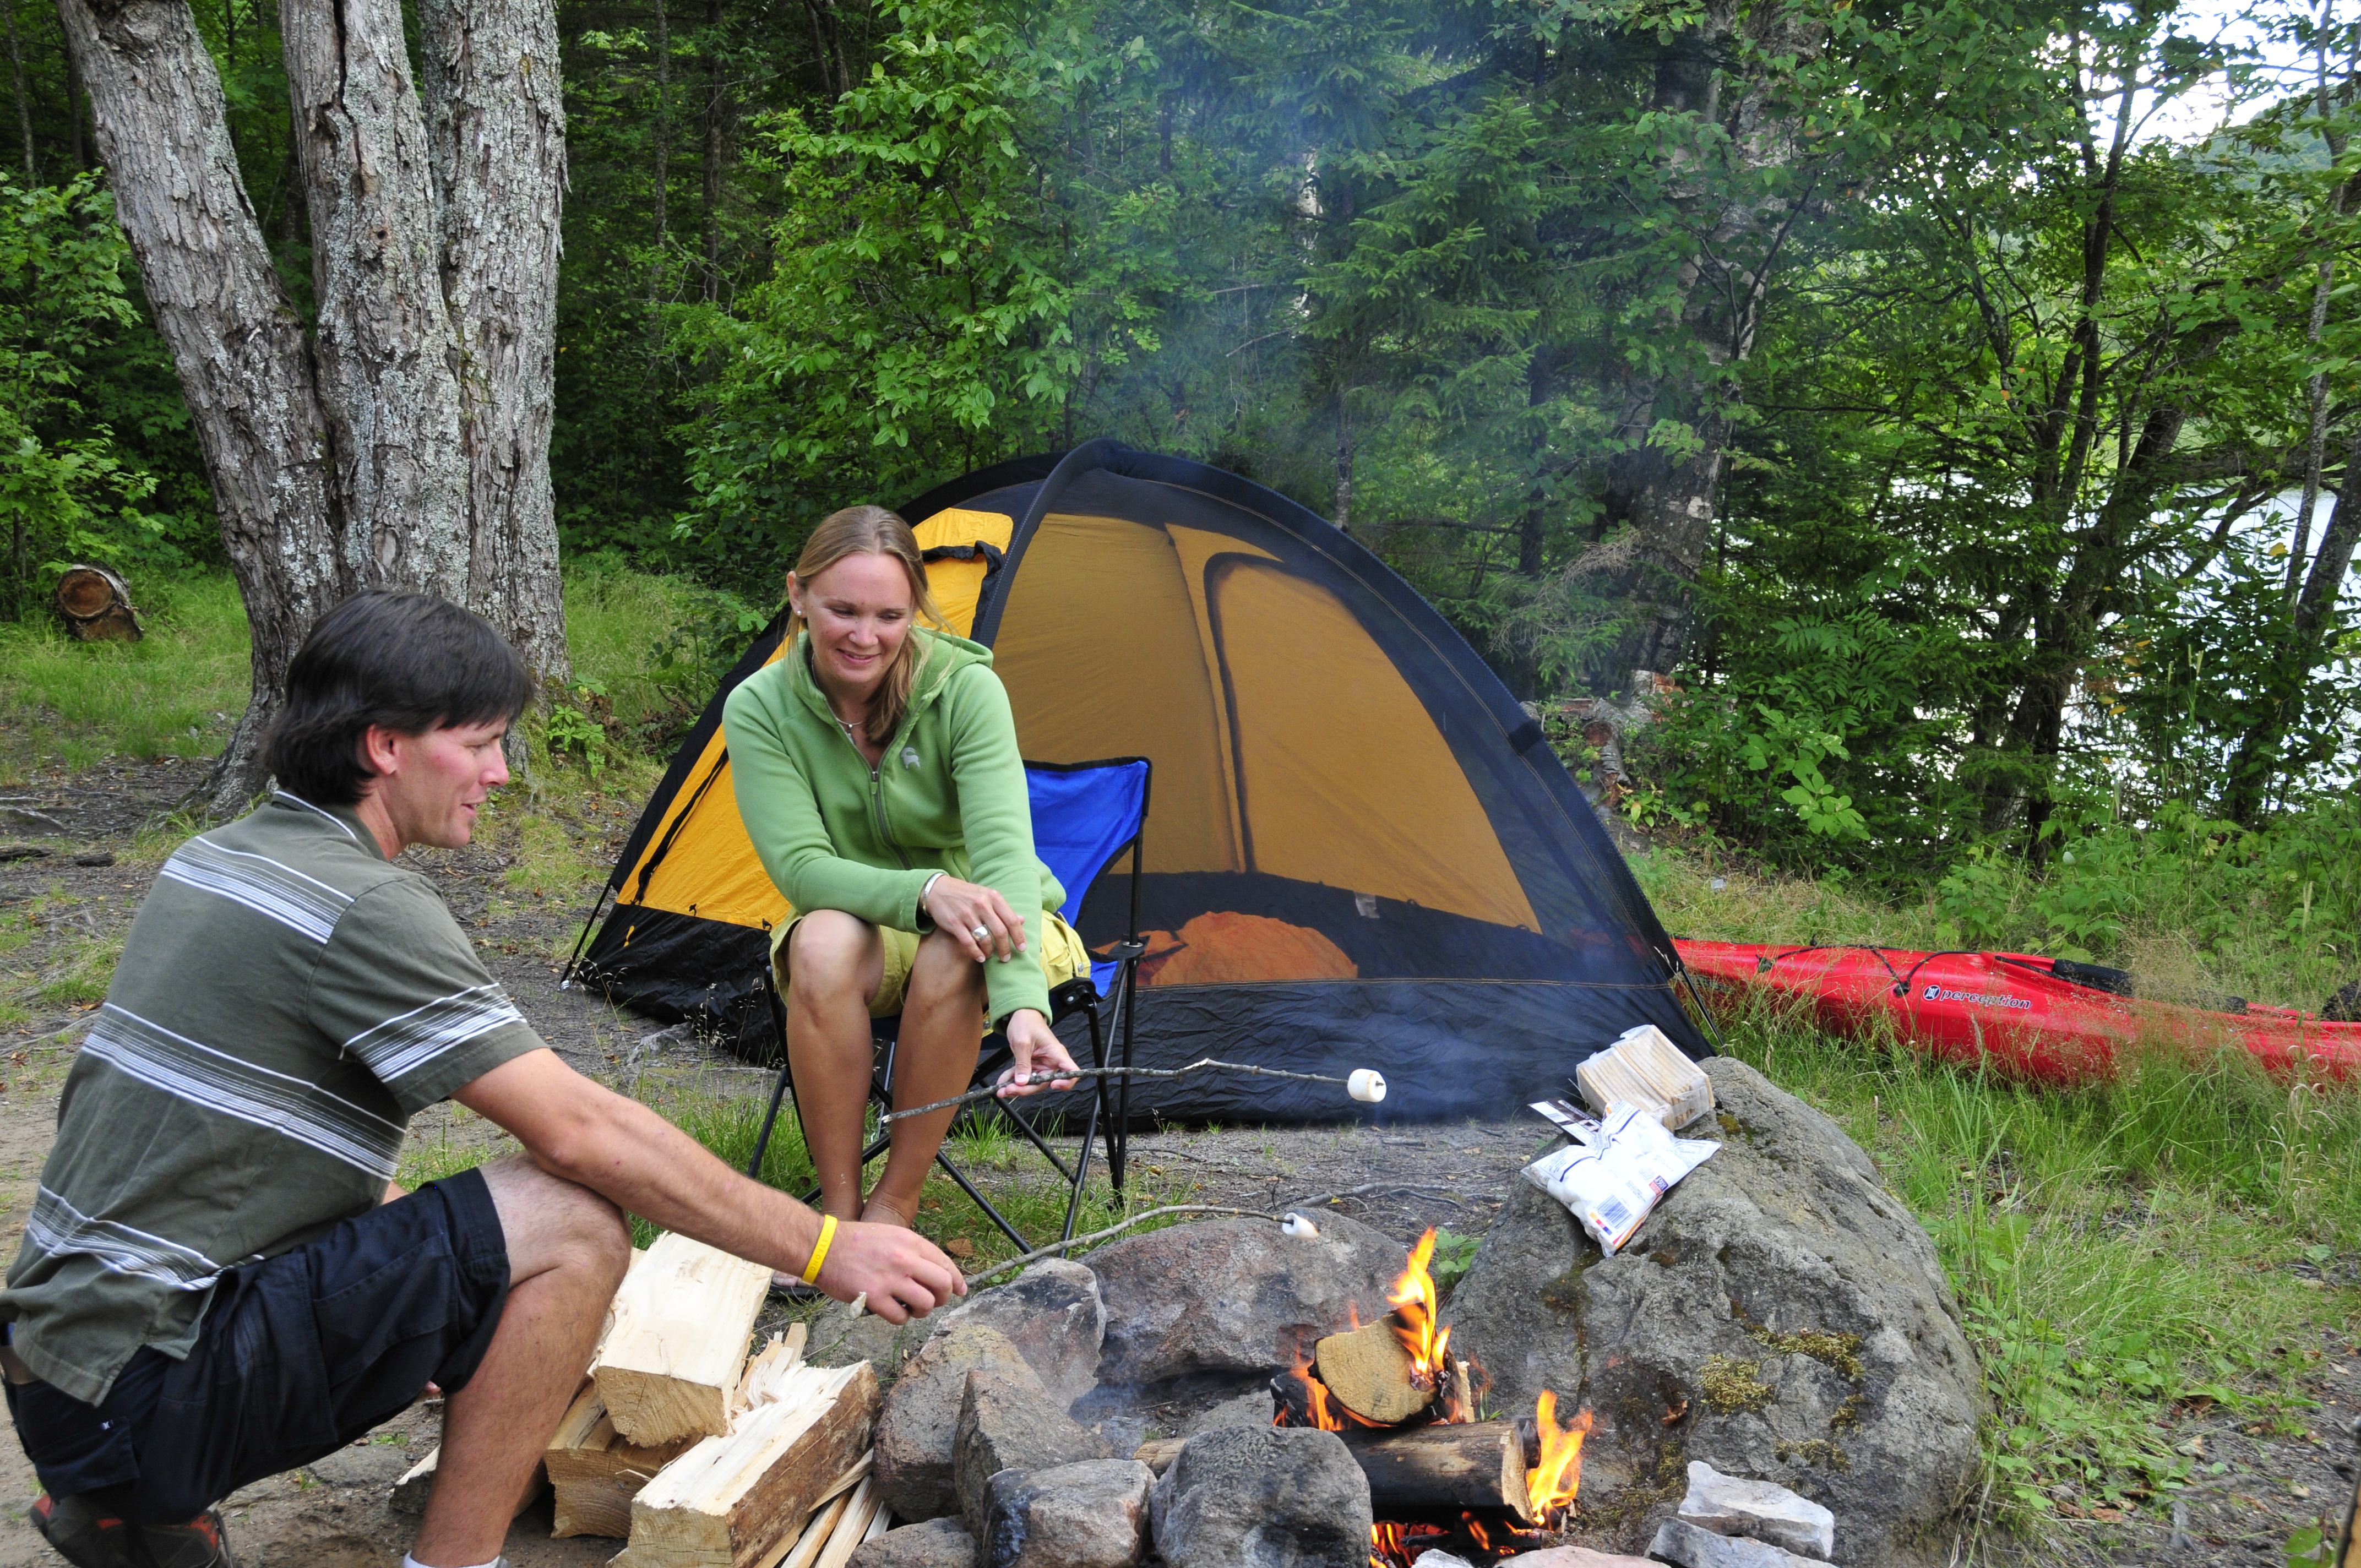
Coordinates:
(702, 1456)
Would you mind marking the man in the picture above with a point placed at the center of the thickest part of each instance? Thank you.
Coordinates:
(219, 1280)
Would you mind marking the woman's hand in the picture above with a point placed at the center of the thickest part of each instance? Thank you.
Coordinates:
(1038, 1055)
(962, 908)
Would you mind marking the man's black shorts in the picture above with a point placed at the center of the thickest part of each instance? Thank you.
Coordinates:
(297, 1356)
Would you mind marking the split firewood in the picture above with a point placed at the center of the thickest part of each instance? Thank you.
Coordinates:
(730, 1501)
(862, 1516)
(1159, 1453)
(1368, 1372)
(676, 1343)
(417, 1484)
(595, 1474)
(1469, 1465)
(806, 1545)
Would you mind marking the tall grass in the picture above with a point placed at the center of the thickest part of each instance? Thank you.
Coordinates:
(175, 693)
(2170, 1241)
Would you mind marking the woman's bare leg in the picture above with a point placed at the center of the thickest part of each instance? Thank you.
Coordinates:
(942, 1028)
(835, 964)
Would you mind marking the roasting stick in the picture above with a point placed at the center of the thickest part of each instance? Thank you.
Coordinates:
(1364, 1084)
(1054, 1248)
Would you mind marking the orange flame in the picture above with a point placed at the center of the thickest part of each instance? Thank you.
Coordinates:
(1316, 1399)
(1550, 1484)
(1414, 1318)
(1393, 1545)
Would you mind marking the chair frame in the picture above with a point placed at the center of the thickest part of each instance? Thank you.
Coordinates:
(1110, 1115)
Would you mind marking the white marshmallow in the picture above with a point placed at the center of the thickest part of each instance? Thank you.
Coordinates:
(1295, 1224)
(1366, 1085)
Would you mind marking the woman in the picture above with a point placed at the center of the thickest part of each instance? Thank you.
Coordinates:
(877, 771)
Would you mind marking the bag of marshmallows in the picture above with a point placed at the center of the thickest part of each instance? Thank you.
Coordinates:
(1613, 1175)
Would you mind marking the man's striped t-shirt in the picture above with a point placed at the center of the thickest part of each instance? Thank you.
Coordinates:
(286, 1000)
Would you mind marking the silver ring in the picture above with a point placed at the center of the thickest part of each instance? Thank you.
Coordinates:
(982, 933)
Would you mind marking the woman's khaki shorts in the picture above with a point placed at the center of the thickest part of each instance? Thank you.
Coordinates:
(1059, 945)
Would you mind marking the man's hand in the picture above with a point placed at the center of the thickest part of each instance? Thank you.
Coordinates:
(1037, 1055)
(903, 1274)
(619, 1148)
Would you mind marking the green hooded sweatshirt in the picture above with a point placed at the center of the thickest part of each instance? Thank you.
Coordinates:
(948, 796)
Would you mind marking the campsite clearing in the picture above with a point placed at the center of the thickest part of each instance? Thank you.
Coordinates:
(2169, 1251)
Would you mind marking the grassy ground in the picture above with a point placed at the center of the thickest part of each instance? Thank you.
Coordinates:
(2176, 1242)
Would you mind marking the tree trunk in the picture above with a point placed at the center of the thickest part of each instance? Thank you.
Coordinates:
(24, 104)
(236, 341)
(387, 372)
(664, 170)
(1669, 499)
(74, 155)
(716, 108)
(497, 141)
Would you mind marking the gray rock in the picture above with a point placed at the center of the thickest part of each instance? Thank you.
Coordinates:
(1693, 1546)
(1576, 1557)
(1254, 1407)
(1731, 1505)
(839, 1339)
(937, 1543)
(1008, 1421)
(1441, 1559)
(1089, 1515)
(1236, 1296)
(919, 1421)
(1780, 1315)
(1053, 1315)
(1263, 1498)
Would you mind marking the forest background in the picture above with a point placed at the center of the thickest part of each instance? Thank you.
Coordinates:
(1952, 400)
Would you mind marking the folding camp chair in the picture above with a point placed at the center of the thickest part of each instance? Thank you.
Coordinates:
(1085, 814)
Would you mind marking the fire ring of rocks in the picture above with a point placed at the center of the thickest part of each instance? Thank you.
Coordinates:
(1771, 1372)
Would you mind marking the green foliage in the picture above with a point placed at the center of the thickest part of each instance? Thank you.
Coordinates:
(66, 491)
(1454, 1253)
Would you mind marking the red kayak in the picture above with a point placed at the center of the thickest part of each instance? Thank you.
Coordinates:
(2044, 1018)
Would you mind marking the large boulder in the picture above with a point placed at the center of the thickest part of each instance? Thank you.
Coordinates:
(1093, 1514)
(1779, 1316)
(1008, 1421)
(1268, 1497)
(920, 1422)
(1236, 1298)
(1052, 1314)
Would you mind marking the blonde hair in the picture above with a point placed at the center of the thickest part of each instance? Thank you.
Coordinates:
(873, 531)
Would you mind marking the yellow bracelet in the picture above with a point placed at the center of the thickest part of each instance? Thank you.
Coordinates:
(819, 1250)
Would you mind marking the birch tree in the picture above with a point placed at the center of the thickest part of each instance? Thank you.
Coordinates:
(402, 441)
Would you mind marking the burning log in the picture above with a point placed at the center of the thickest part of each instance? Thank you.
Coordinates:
(1466, 1465)
(1371, 1373)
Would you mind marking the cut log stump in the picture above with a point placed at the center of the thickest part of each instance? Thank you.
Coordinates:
(676, 1343)
(95, 604)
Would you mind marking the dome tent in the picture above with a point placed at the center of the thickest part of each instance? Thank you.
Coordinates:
(1358, 852)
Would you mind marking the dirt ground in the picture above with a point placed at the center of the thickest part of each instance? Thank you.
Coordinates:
(64, 909)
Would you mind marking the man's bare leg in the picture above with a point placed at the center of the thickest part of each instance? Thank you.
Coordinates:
(835, 964)
(942, 1028)
(569, 1248)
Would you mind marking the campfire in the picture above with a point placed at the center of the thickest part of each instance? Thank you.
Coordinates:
(1440, 1478)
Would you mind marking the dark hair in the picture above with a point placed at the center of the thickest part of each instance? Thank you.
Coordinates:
(410, 662)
